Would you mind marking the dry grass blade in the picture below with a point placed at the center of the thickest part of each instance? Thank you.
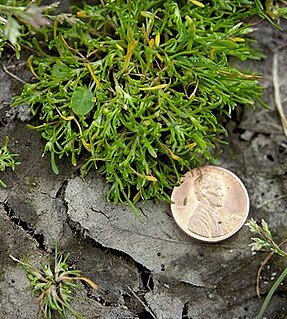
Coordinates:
(143, 304)
(12, 74)
(277, 97)
(263, 263)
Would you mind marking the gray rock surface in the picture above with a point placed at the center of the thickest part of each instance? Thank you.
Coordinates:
(156, 242)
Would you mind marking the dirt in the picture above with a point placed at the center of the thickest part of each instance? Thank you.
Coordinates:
(149, 269)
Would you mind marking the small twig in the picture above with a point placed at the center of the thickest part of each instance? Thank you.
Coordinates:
(277, 97)
(194, 91)
(263, 263)
(271, 200)
(13, 75)
(144, 305)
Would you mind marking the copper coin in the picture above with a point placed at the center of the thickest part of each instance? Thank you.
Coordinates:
(211, 204)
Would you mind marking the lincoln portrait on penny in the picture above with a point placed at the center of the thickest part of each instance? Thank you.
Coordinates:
(205, 219)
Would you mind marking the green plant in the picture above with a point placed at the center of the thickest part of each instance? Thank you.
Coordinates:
(20, 19)
(264, 241)
(54, 284)
(271, 10)
(7, 159)
(14, 16)
(138, 89)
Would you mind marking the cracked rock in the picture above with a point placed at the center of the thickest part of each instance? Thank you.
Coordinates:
(156, 243)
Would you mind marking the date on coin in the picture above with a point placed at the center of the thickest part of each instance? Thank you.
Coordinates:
(211, 204)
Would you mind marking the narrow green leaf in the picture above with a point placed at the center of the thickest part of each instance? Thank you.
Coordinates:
(53, 164)
(271, 292)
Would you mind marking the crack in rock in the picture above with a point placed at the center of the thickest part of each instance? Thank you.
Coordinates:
(18, 222)
(146, 277)
(185, 311)
(99, 212)
(99, 299)
(156, 243)
(145, 273)
(146, 283)
(62, 191)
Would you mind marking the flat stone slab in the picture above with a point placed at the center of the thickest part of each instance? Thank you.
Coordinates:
(157, 243)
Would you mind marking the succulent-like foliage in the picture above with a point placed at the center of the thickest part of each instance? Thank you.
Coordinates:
(138, 89)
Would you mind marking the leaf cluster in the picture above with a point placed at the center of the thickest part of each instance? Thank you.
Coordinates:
(54, 284)
(272, 10)
(137, 89)
(7, 159)
(18, 18)
(264, 239)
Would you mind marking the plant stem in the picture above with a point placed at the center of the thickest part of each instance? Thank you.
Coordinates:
(11, 8)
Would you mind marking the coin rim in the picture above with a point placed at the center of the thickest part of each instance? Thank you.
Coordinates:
(223, 237)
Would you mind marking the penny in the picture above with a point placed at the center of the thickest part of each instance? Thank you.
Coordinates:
(211, 204)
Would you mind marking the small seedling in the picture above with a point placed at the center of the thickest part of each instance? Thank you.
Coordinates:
(54, 284)
(264, 241)
(7, 159)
